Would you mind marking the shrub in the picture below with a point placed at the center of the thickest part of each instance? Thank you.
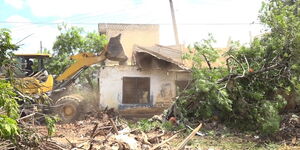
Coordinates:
(9, 111)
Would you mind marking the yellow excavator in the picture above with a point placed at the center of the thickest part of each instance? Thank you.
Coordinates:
(40, 83)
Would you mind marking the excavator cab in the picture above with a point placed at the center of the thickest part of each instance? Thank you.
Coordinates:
(31, 75)
(30, 64)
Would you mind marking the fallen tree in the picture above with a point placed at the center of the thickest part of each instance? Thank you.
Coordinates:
(258, 82)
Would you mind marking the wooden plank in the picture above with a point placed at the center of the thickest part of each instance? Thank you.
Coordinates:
(185, 141)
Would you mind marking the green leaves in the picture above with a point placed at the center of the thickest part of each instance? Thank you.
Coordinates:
(69, 41)
(94, 43)
(8, 127)
(9, 108)
(205, 98)
(267, 118)
(9, 111)
(8, 101)
(50, 124)
(202, 52)
(6, 46)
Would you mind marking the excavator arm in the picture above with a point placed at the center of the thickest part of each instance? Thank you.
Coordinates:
(81, 60)
(113, 51)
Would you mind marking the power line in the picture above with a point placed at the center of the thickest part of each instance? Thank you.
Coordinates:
(95, 23)
(20, 22)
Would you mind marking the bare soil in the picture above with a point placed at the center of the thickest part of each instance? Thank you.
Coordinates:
(82, 134)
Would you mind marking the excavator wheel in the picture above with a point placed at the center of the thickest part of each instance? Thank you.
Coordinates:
(68, 108)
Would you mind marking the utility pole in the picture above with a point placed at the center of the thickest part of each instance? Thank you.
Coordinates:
(41, 47)
(250, 36)
(174, 23)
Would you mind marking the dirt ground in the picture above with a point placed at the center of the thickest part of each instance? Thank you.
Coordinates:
(98, 133)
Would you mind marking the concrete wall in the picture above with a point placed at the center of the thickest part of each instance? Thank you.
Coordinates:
(162, 86)
(139, 34)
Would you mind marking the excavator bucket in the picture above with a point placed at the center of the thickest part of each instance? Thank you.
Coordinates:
(115, 51)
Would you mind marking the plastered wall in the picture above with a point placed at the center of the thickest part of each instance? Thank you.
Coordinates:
(162, 86)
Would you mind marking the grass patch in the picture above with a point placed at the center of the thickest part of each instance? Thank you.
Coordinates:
(224, 140)
(227, 143)
(146, 125)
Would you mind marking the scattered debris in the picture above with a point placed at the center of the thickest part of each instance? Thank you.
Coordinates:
(127, 140)
(164, 142)
(105, 130)
(184, 142)
(114, 126)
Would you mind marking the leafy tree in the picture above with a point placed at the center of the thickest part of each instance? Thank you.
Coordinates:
(259, 80)
(6, 47)
(9, 111)
(9, 108)
(205, 95)
(73, 40)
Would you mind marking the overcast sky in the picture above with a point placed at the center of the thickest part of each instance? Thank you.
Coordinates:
(195, 18)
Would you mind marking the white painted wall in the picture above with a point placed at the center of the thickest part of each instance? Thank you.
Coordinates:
(162, 85)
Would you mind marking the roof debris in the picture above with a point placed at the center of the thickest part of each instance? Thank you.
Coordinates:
(162, 57)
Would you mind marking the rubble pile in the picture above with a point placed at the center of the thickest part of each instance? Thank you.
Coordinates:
(105, 130)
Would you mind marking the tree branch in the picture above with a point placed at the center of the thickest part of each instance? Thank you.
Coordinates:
(207, 61)
(237, 76)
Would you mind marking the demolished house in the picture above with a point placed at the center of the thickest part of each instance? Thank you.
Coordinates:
(151, 78)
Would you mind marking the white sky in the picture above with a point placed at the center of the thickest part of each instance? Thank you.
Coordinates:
(195, 18)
